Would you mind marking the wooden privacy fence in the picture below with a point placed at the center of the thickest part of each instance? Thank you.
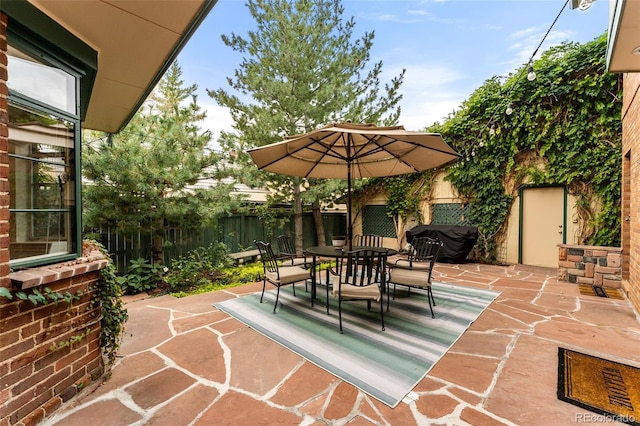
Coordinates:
(237, 232)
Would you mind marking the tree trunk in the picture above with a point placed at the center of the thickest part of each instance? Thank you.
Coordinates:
(157, 244)
(297, 214)
(401, 226)
(319, 223)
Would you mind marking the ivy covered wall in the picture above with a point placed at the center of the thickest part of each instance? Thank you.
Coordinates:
(564, 129)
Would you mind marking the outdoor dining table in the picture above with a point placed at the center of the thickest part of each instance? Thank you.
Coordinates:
(331, 252)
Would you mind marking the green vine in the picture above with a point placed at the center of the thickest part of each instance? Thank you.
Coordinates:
(404, 193)
(73, 339)
(36, 297)
(401, 198)
(5, 292)
(114, 314)
(45, 297)
(107, 293)
(565, 129)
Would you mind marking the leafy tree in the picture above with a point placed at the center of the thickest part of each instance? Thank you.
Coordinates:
(302, 68)
(141, 178)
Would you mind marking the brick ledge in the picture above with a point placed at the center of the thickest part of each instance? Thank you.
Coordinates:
(34, 277)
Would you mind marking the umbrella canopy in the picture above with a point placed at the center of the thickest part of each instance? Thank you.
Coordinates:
(353, 151)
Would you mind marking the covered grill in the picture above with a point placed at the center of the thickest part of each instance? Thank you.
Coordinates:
(458, 240)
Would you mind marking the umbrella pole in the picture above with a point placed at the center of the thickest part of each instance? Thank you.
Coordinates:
(349, 223)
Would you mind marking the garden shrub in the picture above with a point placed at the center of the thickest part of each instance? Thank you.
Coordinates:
(199, 268)
(141, 276)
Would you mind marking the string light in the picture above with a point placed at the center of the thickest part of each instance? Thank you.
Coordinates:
(531, 75)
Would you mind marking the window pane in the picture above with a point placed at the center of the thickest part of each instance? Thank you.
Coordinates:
(41, 183)
(38, 185)
(38, 234)
(41, 82)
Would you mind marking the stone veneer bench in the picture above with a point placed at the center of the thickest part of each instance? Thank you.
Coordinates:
(592, 265)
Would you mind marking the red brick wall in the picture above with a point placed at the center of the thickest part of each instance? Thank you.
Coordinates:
(39, 366)
(631, 190)
(42, 363)
(626, 214)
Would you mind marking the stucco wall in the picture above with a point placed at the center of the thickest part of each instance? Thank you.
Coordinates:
(442, 191)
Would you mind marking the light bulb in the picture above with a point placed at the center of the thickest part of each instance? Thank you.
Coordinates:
(509, 110)
(532, 75)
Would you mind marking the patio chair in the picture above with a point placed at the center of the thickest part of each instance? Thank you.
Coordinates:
(367, 240)
(276, 275)
(356, 273)
(289, 257)
(288, 254)
(415, 271)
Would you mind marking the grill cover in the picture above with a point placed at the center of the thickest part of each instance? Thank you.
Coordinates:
(458, 240)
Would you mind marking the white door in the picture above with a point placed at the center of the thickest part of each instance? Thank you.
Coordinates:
(543, 220)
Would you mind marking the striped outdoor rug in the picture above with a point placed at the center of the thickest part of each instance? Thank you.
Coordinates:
(384, 364)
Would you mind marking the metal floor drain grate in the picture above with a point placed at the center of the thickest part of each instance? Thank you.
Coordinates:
(594, 290)
(600, 292)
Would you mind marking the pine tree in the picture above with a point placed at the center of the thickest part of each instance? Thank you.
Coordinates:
(141, 178)
(303, 68)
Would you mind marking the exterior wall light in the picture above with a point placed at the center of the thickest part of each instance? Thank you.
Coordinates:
(581, 4)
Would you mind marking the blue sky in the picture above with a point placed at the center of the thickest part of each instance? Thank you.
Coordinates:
(448, 47)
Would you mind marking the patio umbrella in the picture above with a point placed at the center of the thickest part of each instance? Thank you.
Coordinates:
(352, 151)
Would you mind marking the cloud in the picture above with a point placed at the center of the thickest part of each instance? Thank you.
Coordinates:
(390, 17)
(426, 113)
(218, 120)
(524, 34)
(430, 92)
(408, 16)
(387, 17)
(419, 12)
(526, 41)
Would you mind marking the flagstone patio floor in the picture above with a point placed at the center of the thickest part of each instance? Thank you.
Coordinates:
(183, 362)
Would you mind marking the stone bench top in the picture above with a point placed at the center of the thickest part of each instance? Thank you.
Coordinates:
(248, 253)
(585, 247)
